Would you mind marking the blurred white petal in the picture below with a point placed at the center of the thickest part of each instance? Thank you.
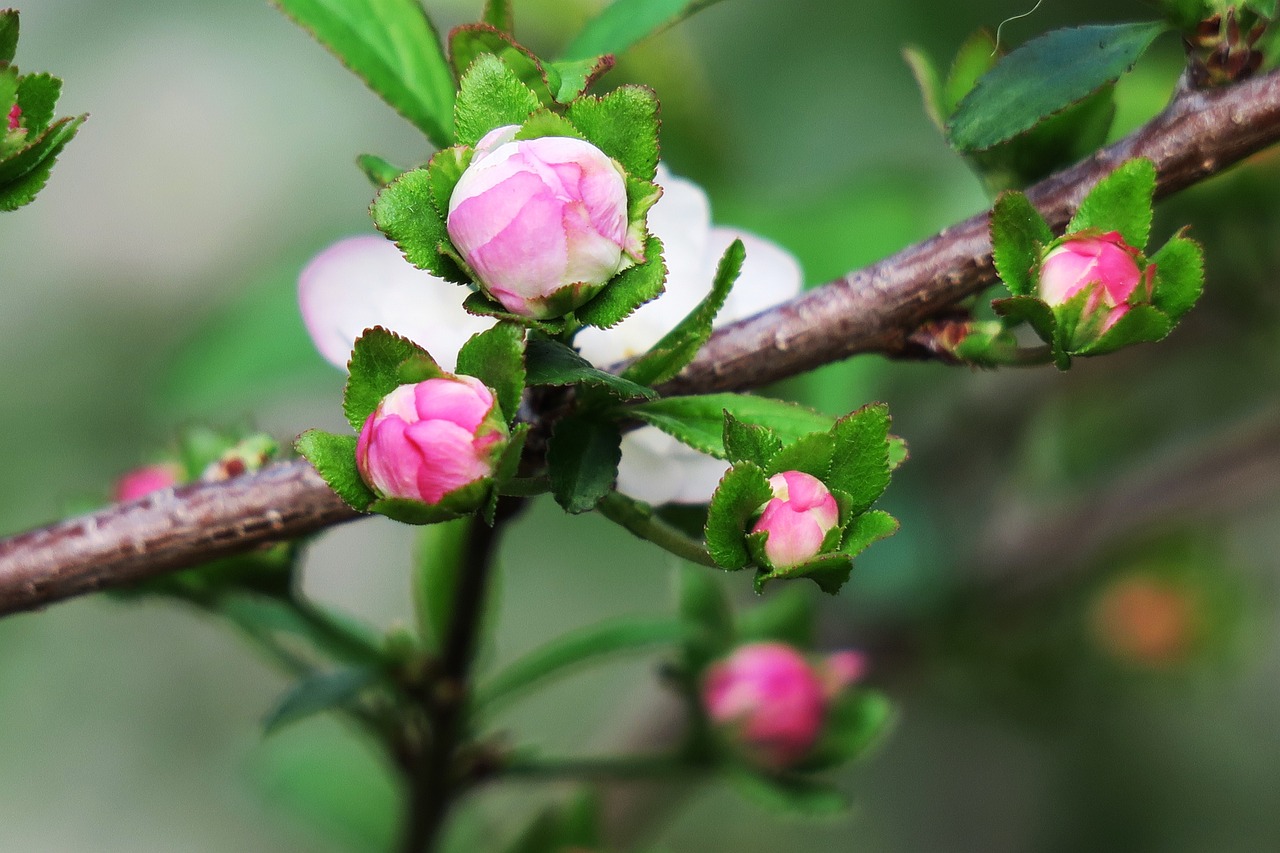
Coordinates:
(770, 275)
(657, 469)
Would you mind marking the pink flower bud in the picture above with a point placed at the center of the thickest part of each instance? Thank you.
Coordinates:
(429, 439)
(770, 701)
(143, 481)
(797, 518)
(1105, 260)
(15, 117)
(841, 669)
(542, 222)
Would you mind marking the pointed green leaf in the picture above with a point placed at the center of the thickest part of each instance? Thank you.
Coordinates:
(698, 420)
(334, 458)
(8, 34)
(1030, 310)
(375, 372)
(624, 125)
(1179, 276)
(406, 213)
(321, 691)
(867, 529)
(439, 559)
(1120, 202)
(379, 171)
(1045, 75)
(830, 572)
(583, 461)
(855, 723)
(550, 362)
(1018, 236)
(809, 454)
(677, 348)
(444, 170)
(37, 97)
(926, 76)
(628, 290)
(496, 358)
(977, 55)
(860, 467)
(470, 41)
(392, 46)
(743, 490)
(491, 95)
(576, 76)
(624, 22)
(1141, 324)
(498, 14)
(745, 442)
(24, 174)
(546, 123)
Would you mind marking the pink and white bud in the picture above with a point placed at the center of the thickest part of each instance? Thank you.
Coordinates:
(1104, 260)
(797, 518)
(15, 117)
(143, 481)
(769, 700)
(541, 222)
(429, 439)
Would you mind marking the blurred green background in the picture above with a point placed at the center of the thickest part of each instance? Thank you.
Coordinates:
(1078, 617)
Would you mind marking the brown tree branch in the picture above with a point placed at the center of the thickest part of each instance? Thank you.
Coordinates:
(875, 309)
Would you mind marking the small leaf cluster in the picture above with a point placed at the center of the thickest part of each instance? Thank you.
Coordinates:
(852, 461)
(29, 150)
(1120, 202)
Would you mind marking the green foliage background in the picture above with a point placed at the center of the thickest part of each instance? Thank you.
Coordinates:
(152, 284)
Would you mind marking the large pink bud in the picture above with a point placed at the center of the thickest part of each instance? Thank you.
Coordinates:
(429, 439)
(797, 518)
(143, 481)
(769, 700)
(542, 222)
(15, 117)
(1078, 263)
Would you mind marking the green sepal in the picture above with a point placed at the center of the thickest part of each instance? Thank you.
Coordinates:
(1179, 276)
(499, 15)
(865, 530)
(809, 454)
(490, 95)
(791, 794)
(829, 571)
(860, 467)
(506, 468)
(379, 170)
(334, 458)
(628, 290)
(550, 362)
(576, 76)
(461, 501)
(405, 211)
(318, 692)
(37, 97)
(1030, 310)
(374, 371)
(583, 460)
(444, 170)
(1120, 202)
(546, 123)
(742, 491)
(1018, 237)
(855, 723)
(496, 357)
(642, 195)
(471, 41)
(678, 347)
(787, 617)
(698, 420)
(8, 34)
(701, 603)
(1141, 324)
(624, 125)
(24, 173)
(479, 304)
(744, 442)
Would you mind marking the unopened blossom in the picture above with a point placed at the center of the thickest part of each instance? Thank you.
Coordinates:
(15, 117)
(145, 480)
(797, 518)
(541, 222)
(1106, 261)
(426, 440)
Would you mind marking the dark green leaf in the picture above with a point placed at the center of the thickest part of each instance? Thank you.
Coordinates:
(743, 490)
(860, 467)
(1045, 75)
(491, 96)
(1141, 324)
(321, 691)
(37, 97)
(1120, 202)
(624, 125)
(628, 290)
(393, 47)
(787, 617)
(583, 461)
(576, 76)
(698, 420)
(375, 372)
(496, 358)
(380, 172)
(8, 34)
(977, 55)
(1030, 310)
(468, 42)
(552, 363)
(867, 529)
(498, 14)
(745, 442)
(854, 724)
(677, 348)
(574, 649)
(624, 22)
(830, 572)
(406, 212)
(1179, 276)
(1018, 236)
(334, 458)
(440, 560)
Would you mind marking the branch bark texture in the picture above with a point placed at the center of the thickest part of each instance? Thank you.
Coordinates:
(873, 310)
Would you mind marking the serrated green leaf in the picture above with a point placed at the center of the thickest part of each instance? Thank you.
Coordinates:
(624, 22)
(375, 372)
(860, 467)
(743, 490)
(1141, 324)
(791, 794)
(1179, 276)
(334, 458)
(546, 123)
(24, 174)
(977, 55)
(1120, 202)
(628, 290)
(405, 211)
(866, 529)
(583, 460)
(37, 97)
(745, 442)
(787, 617)
(927, 80)
(576, 76)
(456, 504)
(479, 304)
(550, 362)
(575, 649)
(444, 170)
(393, 47)
(8, 34)
(624, 125)
(470, 41)
(379, 171)
(677, 348)
(855, 722)
(321, 691)
(496, 358)
(1018, 236)
(809, 454)
(1045, 75)
(491, 95)
(702, 604)
(439, 560)
(1030, 310)
(698, 420)
(829, 571)
(498, 14)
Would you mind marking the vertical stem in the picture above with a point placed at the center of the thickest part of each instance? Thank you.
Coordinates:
(433, 785)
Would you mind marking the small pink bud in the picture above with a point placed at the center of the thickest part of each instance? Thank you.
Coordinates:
(1105, 260)
(429, 439)
(143, 481)
(542, 222)
(841, 669)
(770, 700)
(797, 518)
(15, 117)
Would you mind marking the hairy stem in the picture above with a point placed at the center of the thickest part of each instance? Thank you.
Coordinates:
(640, 520)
